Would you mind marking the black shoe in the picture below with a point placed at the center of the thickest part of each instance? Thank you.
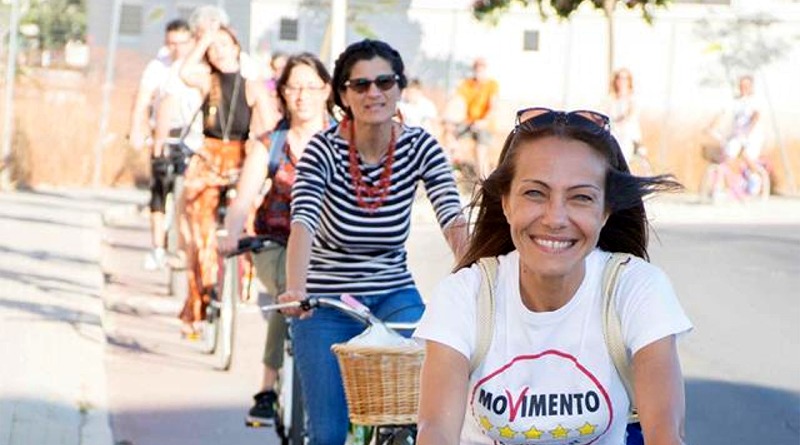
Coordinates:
(263, 411)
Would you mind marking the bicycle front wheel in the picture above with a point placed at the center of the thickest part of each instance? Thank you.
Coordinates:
(229, 294)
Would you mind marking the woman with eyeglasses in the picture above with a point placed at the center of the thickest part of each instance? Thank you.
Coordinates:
(351, 216)
(234, 108)
(560, 202)
(304, 91)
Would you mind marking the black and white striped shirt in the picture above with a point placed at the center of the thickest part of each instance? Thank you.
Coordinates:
(355, 251)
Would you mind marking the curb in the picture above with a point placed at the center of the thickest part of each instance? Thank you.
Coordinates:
(95, 426)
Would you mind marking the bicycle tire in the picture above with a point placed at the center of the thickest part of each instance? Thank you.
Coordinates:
(229, 294)
(297, 431)
(210, 328)
(395, 435)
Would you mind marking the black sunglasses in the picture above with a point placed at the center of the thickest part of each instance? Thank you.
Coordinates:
(590, 120)
(384, 82)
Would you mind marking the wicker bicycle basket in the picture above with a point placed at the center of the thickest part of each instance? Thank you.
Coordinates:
(381, 384)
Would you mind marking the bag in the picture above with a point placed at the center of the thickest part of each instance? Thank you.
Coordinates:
(612, 332)
(612, 329)
(273, 215)
(272, 218)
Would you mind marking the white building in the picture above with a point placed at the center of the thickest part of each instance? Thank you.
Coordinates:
(562, 64)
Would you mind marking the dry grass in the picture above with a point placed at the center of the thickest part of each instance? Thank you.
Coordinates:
(57, 127)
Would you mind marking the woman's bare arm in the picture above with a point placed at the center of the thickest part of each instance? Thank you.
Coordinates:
(265, 114)
(444, 384)
(456, 235)
(659, 392)
(298, 257)
(194, 72)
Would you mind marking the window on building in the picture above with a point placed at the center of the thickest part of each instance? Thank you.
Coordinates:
(288, 30)
(530, 40)
(130, 23)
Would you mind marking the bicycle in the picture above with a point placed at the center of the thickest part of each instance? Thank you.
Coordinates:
(217, 330)
(737, 178)
(289, 424)
(461, 149)
(179, 154)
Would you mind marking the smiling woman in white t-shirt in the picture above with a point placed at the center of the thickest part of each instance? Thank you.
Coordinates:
(560, 201)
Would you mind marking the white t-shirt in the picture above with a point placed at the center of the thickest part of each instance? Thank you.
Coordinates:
(188, 101)
(154, 77)
(548, 377)
(743, 109)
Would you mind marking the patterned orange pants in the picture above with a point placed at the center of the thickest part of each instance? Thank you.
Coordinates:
(207, 172)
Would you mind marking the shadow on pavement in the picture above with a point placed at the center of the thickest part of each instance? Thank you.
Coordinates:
(55, 222)
(49, 312)
(84, 195)
(169, 426)
(49, 283)
(44, 255)
(725, 413)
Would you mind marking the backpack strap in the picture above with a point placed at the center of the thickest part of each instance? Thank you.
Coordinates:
(612, 325)
(277, 139)
(485, 316)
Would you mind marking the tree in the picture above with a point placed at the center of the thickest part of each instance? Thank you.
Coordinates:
(490, 11)
(58, 21)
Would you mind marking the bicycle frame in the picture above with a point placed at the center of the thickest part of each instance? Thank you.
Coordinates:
(219, 326)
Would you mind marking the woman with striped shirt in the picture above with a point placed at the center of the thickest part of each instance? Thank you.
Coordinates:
(351, 216)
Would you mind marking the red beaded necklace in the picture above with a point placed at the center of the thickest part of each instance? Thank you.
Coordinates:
(376, 193)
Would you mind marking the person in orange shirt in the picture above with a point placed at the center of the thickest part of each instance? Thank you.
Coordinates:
(478, 93)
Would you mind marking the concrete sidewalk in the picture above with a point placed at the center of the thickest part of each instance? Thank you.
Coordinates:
(53, 380)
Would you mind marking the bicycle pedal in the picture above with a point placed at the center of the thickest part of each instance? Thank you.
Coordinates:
(258, 423)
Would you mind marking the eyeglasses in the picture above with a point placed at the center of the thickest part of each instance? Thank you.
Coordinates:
(291, 90)
(588, 119)
(384, 82)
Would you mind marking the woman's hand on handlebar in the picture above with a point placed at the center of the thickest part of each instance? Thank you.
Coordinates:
(294, 295)
(227, 242)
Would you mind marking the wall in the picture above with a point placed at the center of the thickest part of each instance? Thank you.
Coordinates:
(438, 41)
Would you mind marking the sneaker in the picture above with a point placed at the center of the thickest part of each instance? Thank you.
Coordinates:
(263, 411)
(155, 259)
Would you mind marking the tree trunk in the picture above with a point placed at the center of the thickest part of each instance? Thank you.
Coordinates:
(608, 10)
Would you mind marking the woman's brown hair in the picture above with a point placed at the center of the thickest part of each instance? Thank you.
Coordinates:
(215, 89)
(626, 229)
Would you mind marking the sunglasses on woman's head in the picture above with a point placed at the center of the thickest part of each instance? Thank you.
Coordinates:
(384, 82)
(588, 119)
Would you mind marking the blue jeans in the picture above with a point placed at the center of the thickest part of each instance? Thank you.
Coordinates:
(312, 338)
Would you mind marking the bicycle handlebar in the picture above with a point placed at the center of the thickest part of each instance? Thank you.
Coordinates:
(348, 305)
(254, 244)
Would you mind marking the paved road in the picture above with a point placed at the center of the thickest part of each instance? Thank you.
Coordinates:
(735, 267)
(740, 285)
(162, 388)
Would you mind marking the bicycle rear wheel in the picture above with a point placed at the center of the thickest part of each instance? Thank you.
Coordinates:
(297, 431)
(290, 414)
(229, 294)
(210, 326)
